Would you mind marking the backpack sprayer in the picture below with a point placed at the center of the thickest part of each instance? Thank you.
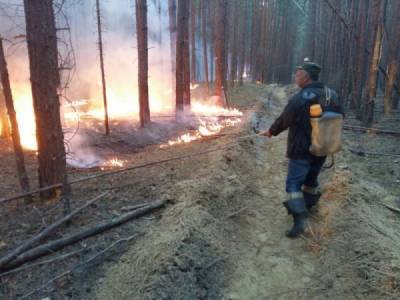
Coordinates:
(326, 126)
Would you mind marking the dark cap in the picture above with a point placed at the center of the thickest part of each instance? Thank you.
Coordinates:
(311, 68)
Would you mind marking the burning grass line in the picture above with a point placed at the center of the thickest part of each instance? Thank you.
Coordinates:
(140, 166)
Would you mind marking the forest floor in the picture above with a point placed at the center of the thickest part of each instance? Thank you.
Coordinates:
(221, 235)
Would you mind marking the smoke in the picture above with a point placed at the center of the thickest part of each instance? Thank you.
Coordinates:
(119, 37)
(80, 155)
(79, 59)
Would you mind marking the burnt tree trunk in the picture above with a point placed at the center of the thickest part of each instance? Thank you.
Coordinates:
(360, 58)
(234, 47)
(103, 76)
(193, 41)
(242, 42)
(19, 154)
(393, 58)
(172, 36)
(45, 81)
(220, 51)
(5, 130)
(375, 57)
(143, 63)
(390, 80)
(182, 56)
(313, 29)
(204, 36)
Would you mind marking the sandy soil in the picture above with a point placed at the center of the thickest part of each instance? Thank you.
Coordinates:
(222, 234)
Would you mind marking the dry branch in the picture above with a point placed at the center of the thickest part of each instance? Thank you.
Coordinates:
(43, 234)
(56, 245)
(370, 129)
(363, 153)
(394, 209)
(45, 262)
(70, 271)
(9, 103)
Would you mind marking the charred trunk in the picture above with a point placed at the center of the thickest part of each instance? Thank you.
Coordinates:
(5, 130)
(182, 57)
(375, 57)
(103, 75)
(172, 35)
(45, 81)
(220, 51)
(143, 68)
(9, 102)
(193, 41)
(204, 36)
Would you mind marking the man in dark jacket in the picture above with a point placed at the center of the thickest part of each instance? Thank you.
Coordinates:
(304, 168)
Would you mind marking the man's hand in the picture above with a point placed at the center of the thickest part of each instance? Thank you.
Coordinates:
(266, 133)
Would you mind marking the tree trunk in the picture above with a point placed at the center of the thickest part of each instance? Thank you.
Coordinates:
(45, 81)
(19, 154)
(143, 69)
(172, 35)
(182, 57)
(103, 76)
(375, 58)
(5, 130)
(390, 80)
(193, 41)
(393, 57)
(204, 34)
(360, 58)
(242, 42)
(220, 51)
(313, 29)
(234, 46)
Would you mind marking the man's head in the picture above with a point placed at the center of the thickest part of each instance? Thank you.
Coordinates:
(307, 73)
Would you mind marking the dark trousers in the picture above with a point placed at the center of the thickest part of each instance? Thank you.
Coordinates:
(303, 172)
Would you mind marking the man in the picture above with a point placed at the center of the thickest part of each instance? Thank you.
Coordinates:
(304, 168)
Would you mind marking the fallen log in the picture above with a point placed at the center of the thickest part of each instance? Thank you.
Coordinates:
(75, 267)
(363, 153)
(56, 245)
(394, 209)
(370, 130)
(44, 233)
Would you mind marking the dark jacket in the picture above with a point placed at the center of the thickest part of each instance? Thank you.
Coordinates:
(296, 117)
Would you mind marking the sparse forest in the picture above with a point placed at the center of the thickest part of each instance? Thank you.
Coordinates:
(133, 162)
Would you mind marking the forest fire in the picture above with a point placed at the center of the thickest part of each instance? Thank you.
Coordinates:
(211, 118)
(113, 163)
(26, 121)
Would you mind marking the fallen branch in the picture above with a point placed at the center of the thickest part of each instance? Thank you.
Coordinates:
(234, 214)
(56, 245)
(363, 153)
(44, 233)
(70, 271)
(45, 262)
(394, 209)
(133, 207)
(370, 130)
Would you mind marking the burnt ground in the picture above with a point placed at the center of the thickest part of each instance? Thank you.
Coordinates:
(221, 235)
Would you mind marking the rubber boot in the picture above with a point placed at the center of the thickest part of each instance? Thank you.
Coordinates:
(311, 199)
(296, 208)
